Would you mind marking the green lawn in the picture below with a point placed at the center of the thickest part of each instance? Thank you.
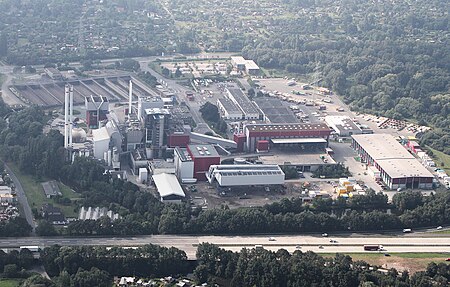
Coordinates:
(441, 157)
(10, 282)
(35, 193)
(442, 231)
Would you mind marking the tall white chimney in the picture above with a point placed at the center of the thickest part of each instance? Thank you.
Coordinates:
(70, 114)
(130, 95)
(66, 115)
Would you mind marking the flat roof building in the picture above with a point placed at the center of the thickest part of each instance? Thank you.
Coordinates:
(248, 109)
(294, 134)
(203, 156)
(343, 125)
(398, 168)
(229, 110)
(245, 175)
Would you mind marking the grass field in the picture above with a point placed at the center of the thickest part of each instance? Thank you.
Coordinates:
(35, 193)
(412, 262)
(10, 282)
(441, 157)
(442, 231)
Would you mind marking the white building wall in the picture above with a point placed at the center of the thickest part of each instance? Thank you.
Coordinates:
(100, 147)
(242, 180)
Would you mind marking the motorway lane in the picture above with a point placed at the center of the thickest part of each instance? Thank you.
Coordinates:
(235, 243)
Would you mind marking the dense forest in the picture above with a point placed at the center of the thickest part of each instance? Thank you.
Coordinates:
(388, 58)
(259, 267)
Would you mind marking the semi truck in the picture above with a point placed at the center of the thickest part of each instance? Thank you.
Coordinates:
(373, 247)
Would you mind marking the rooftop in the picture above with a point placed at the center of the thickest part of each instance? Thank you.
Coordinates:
(382, 146)
(229, 105)
(183, 154)
(242, 101)
(251, 65)
(167, 184)
(157, 111)
(341, 123)
(239, 60)
(287, 127)
(391, 156)
(51, 188)
(203, 151)
(298, 140)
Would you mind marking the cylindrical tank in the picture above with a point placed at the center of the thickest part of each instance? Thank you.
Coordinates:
(240, 160)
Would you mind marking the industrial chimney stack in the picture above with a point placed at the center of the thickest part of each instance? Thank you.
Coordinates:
(130, 97)
(68, 115)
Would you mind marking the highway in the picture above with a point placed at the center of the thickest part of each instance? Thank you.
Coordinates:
(235, 243)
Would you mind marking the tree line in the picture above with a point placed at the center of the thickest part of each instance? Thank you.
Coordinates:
(260, 267)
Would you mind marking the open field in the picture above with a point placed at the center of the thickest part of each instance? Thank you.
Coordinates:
(413, 262)
(35, 193)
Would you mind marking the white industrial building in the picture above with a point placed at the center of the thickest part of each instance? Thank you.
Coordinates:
(397, 167)
(343, 125)
(245, 174)
(248, 109)
(168, 187)
(184, 165)
(229, 110)
(241, 64)
(106, 139)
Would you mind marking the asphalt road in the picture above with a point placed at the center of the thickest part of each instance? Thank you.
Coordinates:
(235, 243)
(22, 198)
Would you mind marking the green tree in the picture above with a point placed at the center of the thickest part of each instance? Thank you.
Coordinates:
(45, 228)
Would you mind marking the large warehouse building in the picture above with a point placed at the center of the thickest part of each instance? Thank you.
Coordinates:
(245, 174)
(398, 168)
(249, 110)
(305, 136)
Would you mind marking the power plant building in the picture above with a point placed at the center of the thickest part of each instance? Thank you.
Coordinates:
(157, 124)
(97, 108)
(398, 168)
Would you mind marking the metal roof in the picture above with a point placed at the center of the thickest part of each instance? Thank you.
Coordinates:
(287, 127)
(167, 184)
(238, 97)
(298, 140)
(391, 156)
(203, 150)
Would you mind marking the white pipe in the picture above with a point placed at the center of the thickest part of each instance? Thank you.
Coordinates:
(66, 115)
(130, 96)
(70, 115)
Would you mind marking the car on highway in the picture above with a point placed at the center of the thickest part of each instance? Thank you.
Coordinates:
(320, 247)
(272, 239)
(439, 227)
(324, 234)
(448, 259)
(298, 247)
(387, 254)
